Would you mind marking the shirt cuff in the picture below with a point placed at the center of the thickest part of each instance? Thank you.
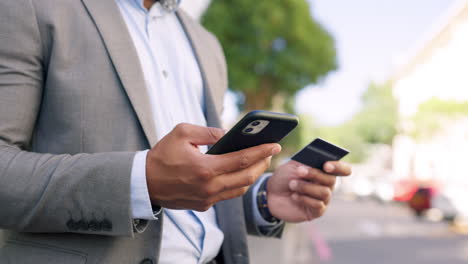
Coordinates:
(140, 200)
(259, 220)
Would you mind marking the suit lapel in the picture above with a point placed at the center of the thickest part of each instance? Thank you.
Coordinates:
(113, 30)
(205, 64)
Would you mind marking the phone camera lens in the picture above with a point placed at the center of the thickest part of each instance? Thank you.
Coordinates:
(248, 130)
(255, 123)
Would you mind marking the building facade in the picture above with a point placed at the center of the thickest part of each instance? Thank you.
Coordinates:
(437, 69)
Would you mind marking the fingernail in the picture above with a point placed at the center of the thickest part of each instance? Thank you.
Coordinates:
(302, 171)
(293, 185)
(276, 150)
(329, 167)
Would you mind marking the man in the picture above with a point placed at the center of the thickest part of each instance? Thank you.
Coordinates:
(105, 109)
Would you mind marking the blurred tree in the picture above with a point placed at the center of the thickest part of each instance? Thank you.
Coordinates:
(273, 49)
(375, 123)
(377, 120)
(434, 114)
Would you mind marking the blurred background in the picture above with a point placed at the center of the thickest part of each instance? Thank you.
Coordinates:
(385, 79)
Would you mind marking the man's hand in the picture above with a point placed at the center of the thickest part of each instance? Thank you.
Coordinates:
(179, 176)
(298, 193)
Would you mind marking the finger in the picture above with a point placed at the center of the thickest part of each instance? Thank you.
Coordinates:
(313, 190)
(242, 178)
(231, 194)
(235, 161)
(206, 204)
(198, 135)
(317, 176)
(337, 168)
(313, 208)
(202, 204)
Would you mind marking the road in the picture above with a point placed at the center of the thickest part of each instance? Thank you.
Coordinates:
(363, 232)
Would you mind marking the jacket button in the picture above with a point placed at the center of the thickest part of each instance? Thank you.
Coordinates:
(82, 225)
(146, 261)
(106, 225)
(95, 225)
(72, 225)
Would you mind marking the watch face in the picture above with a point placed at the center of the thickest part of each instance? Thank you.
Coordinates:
(170, 5)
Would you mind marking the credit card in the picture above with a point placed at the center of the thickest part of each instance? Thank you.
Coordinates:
(318, 152)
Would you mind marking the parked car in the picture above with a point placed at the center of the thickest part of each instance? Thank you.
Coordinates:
(404, 190)
(421, 200)
(451, 204)
(443, 207)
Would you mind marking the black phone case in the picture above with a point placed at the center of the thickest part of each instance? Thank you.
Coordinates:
(280, 125)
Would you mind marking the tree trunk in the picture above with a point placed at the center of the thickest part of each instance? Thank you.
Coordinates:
(260, 99)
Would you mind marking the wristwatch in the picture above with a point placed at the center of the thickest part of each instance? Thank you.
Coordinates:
(262, 203)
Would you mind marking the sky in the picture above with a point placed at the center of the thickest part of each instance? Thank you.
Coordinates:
(372, 38)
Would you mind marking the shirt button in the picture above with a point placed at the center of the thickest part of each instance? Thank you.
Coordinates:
(165, 74)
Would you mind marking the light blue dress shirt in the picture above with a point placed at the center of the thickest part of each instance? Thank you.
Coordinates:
(175, 88)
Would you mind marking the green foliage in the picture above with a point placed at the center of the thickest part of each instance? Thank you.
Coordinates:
(299, 137)
(449, 108)
(272, 47)
(343, 135)
(433, 113)
(375, 123)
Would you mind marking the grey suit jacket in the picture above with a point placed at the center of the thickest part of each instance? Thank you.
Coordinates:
(73, 112)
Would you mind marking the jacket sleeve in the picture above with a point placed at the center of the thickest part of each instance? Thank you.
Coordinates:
(251, 223)
(83, 193)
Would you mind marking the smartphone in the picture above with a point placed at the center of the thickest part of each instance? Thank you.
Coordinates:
(255, 128)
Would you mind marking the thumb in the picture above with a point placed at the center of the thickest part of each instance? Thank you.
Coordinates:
(198, 135)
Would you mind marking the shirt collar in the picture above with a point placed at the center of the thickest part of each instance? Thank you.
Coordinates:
(157, 9)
